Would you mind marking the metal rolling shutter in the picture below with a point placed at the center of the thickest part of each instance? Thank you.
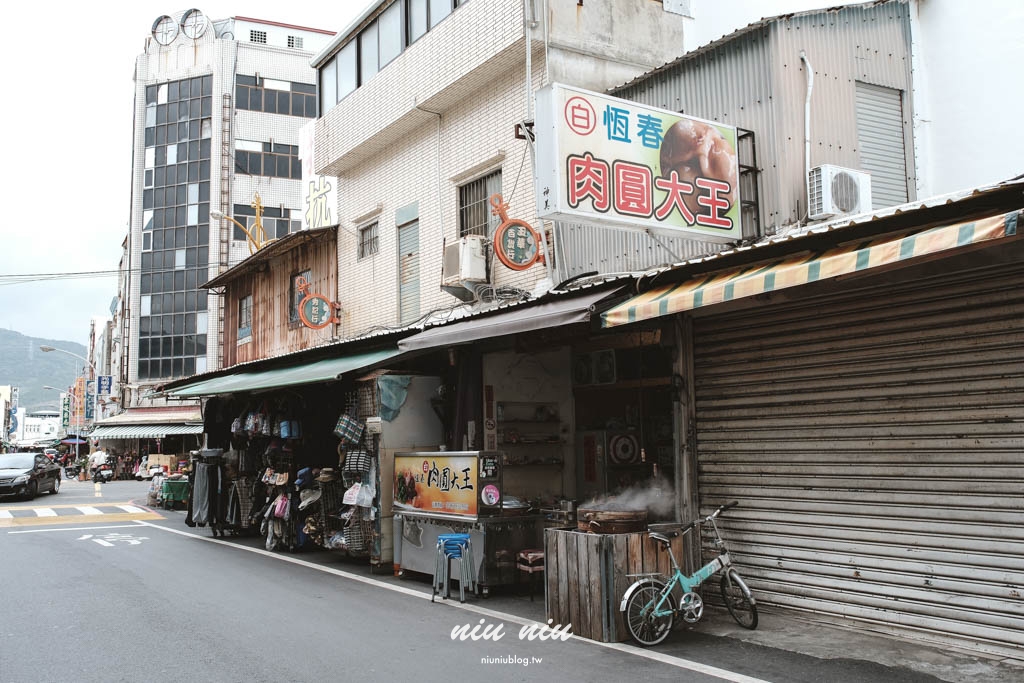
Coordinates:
(875, 442)
(409, 272)
(880, 140)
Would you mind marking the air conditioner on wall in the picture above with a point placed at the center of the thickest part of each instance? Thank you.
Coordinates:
(837, 191)
(465, 266)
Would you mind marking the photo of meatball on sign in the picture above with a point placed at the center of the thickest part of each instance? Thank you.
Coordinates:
(694, 150)
(619, 163)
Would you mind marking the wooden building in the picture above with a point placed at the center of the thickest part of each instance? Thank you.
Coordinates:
(262, 295)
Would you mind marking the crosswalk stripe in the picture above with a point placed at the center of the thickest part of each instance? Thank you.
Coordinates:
(5, 514)
(45, 512)
(89, 510)
(131, 508)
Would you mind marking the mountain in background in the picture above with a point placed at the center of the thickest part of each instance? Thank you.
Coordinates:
(23, 365)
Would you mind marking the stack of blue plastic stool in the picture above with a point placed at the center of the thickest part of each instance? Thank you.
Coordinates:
(453, 547)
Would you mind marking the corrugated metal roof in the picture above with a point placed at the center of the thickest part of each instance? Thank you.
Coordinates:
(797, 234)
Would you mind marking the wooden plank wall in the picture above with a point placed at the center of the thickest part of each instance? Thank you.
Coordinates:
(272, 334)
(575, 587)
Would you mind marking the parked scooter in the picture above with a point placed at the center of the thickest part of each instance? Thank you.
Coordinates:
(71, 471)
(102, 474)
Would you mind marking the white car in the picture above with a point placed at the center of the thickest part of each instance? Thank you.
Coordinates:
(148, 472)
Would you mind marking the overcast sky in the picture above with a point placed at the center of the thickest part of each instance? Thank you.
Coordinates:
(68, 69)
(68, 140)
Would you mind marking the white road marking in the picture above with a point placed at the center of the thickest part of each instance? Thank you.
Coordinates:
(89, 510)
(131, 508)
(45, 512)
(75, 528)
(677, 662)
(6, 514)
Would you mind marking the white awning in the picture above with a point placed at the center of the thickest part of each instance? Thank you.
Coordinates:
(144, 431)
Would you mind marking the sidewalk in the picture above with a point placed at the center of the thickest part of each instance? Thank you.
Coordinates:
(778, 629)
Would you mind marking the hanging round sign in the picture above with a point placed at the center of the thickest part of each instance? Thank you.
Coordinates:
(516, 243)
(623, 449)
(315, 310)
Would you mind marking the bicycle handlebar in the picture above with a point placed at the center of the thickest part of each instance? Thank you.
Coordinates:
(716, 513)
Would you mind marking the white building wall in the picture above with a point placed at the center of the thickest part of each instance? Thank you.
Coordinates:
(382, 139)
(278, 34)
(968, 95)
(476, 139)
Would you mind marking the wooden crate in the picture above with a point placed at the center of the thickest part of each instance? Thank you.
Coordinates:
(587, 575)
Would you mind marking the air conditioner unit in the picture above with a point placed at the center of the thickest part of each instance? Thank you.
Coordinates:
(835, 191)
(465, 265)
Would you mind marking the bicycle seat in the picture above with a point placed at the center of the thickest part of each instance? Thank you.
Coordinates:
(663, 538)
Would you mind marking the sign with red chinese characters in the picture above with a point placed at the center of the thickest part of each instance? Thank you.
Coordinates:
(441, 484)
(621, 164)
(516, 243)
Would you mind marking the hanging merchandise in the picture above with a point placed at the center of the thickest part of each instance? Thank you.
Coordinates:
(352, 494)
(308, 497)
(365, 496)
(281, 507)
(349, 429)
(357, 462)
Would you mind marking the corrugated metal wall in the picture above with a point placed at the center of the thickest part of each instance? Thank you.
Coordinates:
(875, 440)
(880, 136)
(582, 248)
(756, 81)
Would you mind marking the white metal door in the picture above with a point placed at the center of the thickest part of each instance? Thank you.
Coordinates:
(874, 441)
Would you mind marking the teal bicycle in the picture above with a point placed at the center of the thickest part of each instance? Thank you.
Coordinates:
(649, 606)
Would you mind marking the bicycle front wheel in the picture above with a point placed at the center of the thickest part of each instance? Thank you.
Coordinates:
(738, 602)
(644, 626)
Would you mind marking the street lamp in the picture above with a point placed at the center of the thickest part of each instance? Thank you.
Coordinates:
(46, 349)
(256, 241)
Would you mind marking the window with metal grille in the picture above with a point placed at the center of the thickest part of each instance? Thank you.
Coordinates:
(295, 41)
(295, 295)
(245, 317)
(475, 216)
(369, 243)
(257, 36)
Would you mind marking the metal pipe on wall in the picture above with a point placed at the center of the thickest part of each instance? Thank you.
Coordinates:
(807, 128)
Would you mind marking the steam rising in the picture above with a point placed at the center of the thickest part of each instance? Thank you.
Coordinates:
(655, 496)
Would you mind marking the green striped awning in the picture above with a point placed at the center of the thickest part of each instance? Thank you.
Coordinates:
(144, 431)
(749, 280)
(326, 370)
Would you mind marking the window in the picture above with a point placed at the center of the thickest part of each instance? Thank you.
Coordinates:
(475, 216)
(295, 42)
(176, 225)
(369, 243)
(439, 9)
(378, 44)
(295, 295)
(257, 36)
(276, 97)
(245, 317)
(346, 71)
(368, 60)
(390, 29)
(417, 19)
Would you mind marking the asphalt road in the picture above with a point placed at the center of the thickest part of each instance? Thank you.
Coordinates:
(105, 590)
